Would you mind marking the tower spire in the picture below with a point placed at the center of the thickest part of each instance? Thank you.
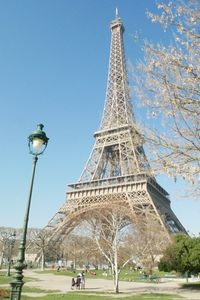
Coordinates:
(118, 108)
(118, 149)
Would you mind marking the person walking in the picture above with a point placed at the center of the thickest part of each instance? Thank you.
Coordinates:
(83, 280)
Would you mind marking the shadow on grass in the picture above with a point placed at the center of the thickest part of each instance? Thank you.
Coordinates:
(191, 286)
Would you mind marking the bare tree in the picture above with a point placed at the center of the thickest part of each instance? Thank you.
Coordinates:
(79, 248)
(6, 240)
(40, 244)
(147, 243)
(168, 84)
(108, 228)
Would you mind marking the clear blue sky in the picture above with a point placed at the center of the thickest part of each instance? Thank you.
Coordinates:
(53, 70)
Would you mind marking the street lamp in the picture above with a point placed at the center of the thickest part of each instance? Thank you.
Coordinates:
(37, 143)
(10, 250)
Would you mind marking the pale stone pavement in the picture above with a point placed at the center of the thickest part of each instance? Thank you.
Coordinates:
(63, 284)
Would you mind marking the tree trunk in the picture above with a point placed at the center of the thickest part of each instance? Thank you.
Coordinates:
(42, 261)
(116, 273)
(1, 260)
(116, 282)
(186, 276)
(2, 256)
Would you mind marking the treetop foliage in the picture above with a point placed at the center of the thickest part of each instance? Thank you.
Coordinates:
(167, 83)
(183, 255)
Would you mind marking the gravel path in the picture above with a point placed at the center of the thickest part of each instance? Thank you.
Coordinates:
(63, 284)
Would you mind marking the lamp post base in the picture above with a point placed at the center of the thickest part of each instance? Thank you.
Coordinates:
(17, 283)
(16, 288)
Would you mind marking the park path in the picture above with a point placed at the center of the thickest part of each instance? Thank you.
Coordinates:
(62, 284)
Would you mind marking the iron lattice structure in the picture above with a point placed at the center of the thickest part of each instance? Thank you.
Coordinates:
(117, 171)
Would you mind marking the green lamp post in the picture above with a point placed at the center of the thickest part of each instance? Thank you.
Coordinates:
(37, 143)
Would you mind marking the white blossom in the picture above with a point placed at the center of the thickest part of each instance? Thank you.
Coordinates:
(168, 85)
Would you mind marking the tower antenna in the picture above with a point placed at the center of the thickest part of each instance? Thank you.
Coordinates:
(117, 13)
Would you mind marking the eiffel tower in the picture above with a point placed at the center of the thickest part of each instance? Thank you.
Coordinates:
(117, 170)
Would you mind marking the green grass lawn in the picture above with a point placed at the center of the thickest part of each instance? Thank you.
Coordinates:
(27, 289)
(80, 296)
(4, 279)
(125, 275)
